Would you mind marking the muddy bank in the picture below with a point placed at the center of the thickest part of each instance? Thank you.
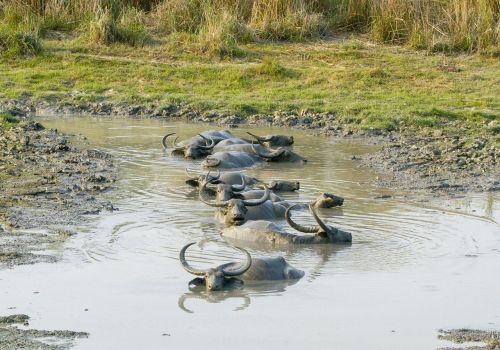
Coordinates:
(439, 164)
(48, 182)
(487, 339)
(425, 160)
(13, 337)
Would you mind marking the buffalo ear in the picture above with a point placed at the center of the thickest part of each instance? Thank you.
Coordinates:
(238, 196)
(196, 282)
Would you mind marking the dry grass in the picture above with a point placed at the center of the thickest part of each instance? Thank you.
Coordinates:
(220, 25)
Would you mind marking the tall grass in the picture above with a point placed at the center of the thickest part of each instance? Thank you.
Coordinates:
(219, 25)
(19, 31)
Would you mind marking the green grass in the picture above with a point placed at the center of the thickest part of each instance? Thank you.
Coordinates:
(7, 120)
(364, 84)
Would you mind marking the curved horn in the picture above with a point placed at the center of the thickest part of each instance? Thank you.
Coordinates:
(189, 175)
(255, 202)
(298, 227)
(175, 145)
(260, 138)
(214, 178)
(207, 147)
(209, 202)
(185, 264)
(211, 162)
(242, 269)
(239, 188)
(318, 220)
(274, 154)
(164, 140)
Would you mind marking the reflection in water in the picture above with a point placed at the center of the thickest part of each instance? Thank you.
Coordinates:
(242, 291)
(131, 256)
(159, 212)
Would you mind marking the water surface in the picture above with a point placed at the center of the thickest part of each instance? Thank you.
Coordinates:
(412, 269)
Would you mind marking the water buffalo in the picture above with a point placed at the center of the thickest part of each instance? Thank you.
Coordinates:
(262, 269)
(327, 200)
(198, 146)
(240, 147)
(268, 233)
(234, 178)
(224, 192)
(273, 140)
(334, 235)
(224, 144)
(237, 211)
(230, 178)
(279, 155)
(231, 160)
(284, 186)
(193, 148)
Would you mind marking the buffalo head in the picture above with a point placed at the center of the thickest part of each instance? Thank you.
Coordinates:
(280, 154)
(216, 278)
(273, 140)
(234, 210)
(333, 234)
(196, 147)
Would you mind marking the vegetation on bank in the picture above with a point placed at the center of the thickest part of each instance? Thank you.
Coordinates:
(7, 120)
(219, 27)
(364, 84)
(353, 58)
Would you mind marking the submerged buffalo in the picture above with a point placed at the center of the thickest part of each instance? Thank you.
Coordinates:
(198, 146)
(268, 233)
(238, 211)
(230, 274)
(327, 200)
(279, 155)
(224, 192)
(284, 186)
(234, 178)
(273, 140)
(231, 160)
(224, 144)
(229, 178)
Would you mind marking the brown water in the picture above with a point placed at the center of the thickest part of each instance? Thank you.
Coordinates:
(412, 269)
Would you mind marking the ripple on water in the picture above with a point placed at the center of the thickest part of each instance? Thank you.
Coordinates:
(159, 213)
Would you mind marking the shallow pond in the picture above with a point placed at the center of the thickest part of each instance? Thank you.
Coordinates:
(413, 267)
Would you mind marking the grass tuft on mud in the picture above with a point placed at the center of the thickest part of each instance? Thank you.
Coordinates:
(7, 120)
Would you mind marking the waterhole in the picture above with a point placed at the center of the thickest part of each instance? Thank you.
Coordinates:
(413, 267)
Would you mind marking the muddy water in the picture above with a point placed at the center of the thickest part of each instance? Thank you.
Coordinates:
(414, 266)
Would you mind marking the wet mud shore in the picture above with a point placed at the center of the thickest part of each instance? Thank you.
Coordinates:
(48, 182)
(12, 336)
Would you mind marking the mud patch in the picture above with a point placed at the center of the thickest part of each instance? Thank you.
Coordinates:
(12, 337)
(47, 184)
(489, 339)
(437, 164)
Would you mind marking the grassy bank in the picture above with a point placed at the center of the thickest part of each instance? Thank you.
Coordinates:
(363, 83)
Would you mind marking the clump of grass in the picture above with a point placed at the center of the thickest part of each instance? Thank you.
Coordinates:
(222, 32)
(19, 32)
(128, 28)
(272, 68)
(7, 120)
(179, 16)
(447, 25)
(286, 20)
(15, 43)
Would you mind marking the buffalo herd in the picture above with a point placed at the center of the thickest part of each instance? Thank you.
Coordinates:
(250, 208)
